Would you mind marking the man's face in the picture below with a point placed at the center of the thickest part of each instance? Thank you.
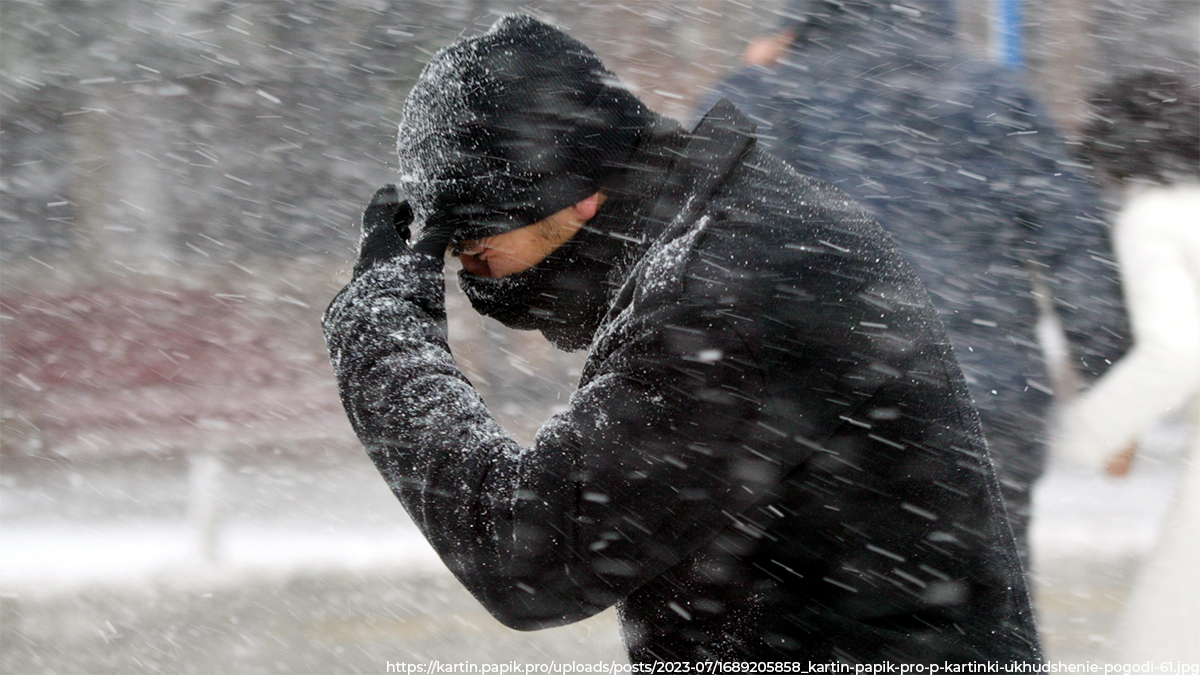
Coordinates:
(516, 251)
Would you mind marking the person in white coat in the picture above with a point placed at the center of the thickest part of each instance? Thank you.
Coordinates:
(1145, 136)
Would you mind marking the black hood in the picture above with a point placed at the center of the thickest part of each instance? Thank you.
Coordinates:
(506, 128)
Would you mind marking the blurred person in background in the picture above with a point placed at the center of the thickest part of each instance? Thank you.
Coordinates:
(771, 454)
(1144, 138)
(960, 165)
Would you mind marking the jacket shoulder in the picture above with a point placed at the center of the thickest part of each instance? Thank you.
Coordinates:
(769, 207)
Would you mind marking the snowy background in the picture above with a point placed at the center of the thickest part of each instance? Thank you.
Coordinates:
(179, 489)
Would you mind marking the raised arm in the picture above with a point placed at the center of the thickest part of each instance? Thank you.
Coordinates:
(647, 462)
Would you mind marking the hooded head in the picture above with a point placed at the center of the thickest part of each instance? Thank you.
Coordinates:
(914, 23)
(503, 129)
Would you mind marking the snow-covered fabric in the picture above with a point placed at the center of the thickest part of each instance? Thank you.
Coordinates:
(962, 168)
(771, 453)
(506, 128)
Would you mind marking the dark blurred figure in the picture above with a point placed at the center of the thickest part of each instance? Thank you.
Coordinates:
(963, 169)
(1144, 139)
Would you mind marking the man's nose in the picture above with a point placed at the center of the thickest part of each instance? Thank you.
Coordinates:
(473, 264)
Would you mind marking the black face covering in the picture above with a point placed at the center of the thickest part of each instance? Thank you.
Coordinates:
(568, 294)
(565, 296)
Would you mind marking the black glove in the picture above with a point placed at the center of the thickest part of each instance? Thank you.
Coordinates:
(385, 228)
(385, 257)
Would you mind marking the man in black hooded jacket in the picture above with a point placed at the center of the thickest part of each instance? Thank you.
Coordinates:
(771, 453)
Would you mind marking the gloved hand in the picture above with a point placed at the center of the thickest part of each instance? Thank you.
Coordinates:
(385, 256)
(385, 228)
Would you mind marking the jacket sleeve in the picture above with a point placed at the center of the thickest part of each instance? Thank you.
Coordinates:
(1066, 235)
(647, 462)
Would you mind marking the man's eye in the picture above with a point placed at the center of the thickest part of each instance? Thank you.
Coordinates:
(473, 249)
